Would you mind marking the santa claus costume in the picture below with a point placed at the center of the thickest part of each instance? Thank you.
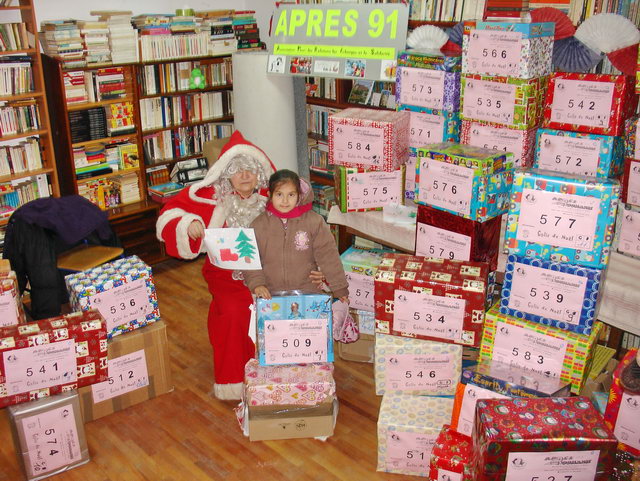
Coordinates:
(213, 202)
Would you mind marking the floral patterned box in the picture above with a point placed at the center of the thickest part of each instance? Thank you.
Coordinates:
(521, 50)
(361, 190)
(562, 217)
(578, 153)
(433, 89)
(123, 291)
(11, 310)
(631, 182)
(521, 143)
(410, 424)
(508, 101)
(631, 148)
(541, 438)
(589, 102)
(535, 347)
(451, 457)
(627, 238)
(552, 293)
(415, 366)
(427, 126)
(369, 139)
(51, 356)
(360, 266)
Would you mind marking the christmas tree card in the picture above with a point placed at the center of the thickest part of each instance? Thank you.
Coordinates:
(232, 248)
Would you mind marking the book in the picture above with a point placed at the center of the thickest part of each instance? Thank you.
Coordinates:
(360, 92)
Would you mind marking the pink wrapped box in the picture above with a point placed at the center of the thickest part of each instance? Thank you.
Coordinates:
(11, 311)
(369, 139)
(521, 143)
(302, 384)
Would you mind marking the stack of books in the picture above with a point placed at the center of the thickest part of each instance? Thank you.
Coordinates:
(75, 91)
(245, 28)
(159, 24)
(163, 192)
(220, 25)
(506, 10)
(181, 24)
(127, 184)
(89, 124)
(123, 38)
(15, 75)
(61, 39)
(157, 175)
(120, 119)
(122, 155)
(95, 35)
(13, 36)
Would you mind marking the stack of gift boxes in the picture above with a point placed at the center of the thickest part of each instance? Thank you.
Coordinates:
(627, 237)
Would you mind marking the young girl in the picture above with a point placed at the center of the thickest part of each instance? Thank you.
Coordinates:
(293, 241)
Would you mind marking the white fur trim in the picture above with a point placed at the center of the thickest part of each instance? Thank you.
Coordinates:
(223, 161)
(193, 193)
(228, 391)
(166, 217)
(182, 237)
(218, 218)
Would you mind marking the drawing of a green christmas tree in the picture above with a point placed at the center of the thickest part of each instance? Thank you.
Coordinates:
(245, 248)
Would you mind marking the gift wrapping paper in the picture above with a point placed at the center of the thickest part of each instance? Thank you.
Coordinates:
(431, 299)
(527, 48)
(562, 217)
(631, 182)
(361, 190)
(410, 424)
(360, 266)
(430, 88)
(451, 454)
(568, 433)
(627, 467)
(366, 322)
(410, 176)
(579, 153)
(536, 347)
(521, 101)
(431, 60)
(552, 293)
(427, 126)
(623, 408)
(283, 320)
(11, 310)
(415, 366)
(521, 143)
(369, 139)
(589, 102)
(479, 159)
(123, 291)
(627, 237)
(51, 356)
(630, 135)
(299, 384)
(446, 235)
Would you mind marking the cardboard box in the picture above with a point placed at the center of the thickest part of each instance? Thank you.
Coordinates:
(433, 89)
(451, 456)
(626, 240)
(11, 310)
(589, 102)
(361, 190)
(360, 266)
(363, 350)
(211, 149)
(521, 143)
(562, 217)
(579, 153)
(48, 435)
(427, 126)
(143, 357)
(631, 182)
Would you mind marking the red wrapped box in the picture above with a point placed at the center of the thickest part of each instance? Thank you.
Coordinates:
(631, 182)
(589, 102)
(449, 236)
(522, 143)
(542, 439)
(623, 410)
(11, 311)
(451, 456)
(52, 356)
(433, 299)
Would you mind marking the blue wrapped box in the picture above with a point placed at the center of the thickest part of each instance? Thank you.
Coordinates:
(427, 126)
(360, 266)
(579, 153)
(562, 217)
(551, 293)
(294, 329)
(123, 291)
(429, 85)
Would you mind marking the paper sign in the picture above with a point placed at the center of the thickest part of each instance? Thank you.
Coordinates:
(575, 155)
(361, 290)
(446, 475)
(496, 138)
(422, 87)
(556, 465)
(8, 309)
(494, 52)
(633, 184)
(425, 129)
(446, 185)
(32, 368)
(562, 220)
(233, 248)
(428, 315)
(424, 372)
(629, 235)
(547, 293)
(126, 373)
(435, 242)
(472, 394)
(490, 101)
(627, 429)
(355, 144)
(293, 341)
(368, 190)
(52, 440)
(636, 150)
(517, 346)
(410, 179)
(582, 102)
(123, 304)
(408, 451)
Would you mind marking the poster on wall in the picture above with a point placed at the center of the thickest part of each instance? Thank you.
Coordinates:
(345, 40)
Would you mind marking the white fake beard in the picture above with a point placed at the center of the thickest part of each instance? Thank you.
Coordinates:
(241, 212)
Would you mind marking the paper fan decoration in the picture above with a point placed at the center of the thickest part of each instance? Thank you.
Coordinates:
(451, 49)
(571, 55)
(564, 26)
(456, 33)
(427, 37)
(607, 32)
(625, 59)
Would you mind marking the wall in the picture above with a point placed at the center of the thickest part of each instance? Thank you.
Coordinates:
(264, 9)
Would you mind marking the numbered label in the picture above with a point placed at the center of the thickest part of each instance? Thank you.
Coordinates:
(446, 475)
(409, 451)
(471, 396)
(415, 372)
(126, 373)
(633, 184)
(8, 309)
(359, 145)
(555, 466)
(435, 242)
(494, 53)
(446, 185)
(361, 289)
(428, 315)
(627, 429)
(490, 101)
(569, 154)
(498, 139)
(425, 129)
(582, 102)
(422, 87)
(410, 180)
(293, 341)
(636, 150)
(629, 235)
(368, 190)
(123, 304)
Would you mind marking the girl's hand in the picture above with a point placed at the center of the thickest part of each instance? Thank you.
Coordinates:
(317, 278)
(344, 299)
(195, 230)
(262, 291)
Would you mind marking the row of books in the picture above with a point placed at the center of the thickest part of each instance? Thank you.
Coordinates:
(13, 36)
(123, 38)
(318, 119)
(458, 10)
(163, 47)
(94, 86)
(245, 29)
(175, 77)
(18, 192)
(95, 35)
(318, 152)
(112, 191)
(321, 87)
(21, 157)
(157, 175)
(183, 142)
(61, 39)
(580, 10)
(118, 155)
(18, 117)
(15, 75)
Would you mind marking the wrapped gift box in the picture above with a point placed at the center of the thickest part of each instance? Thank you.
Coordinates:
(521, 50)
(562, 217)
(631, 147)
(410, 424)
(430, 59)
(627, 467)
(451, 456)
(472, 182)
(521, 143)
(11, 310)
(552, 293)
(508, 101)
(442, 234)
(541, 438)
(51, 356)
(369, 139)
(631, 182)
(360, 266)
(410, 179)
(123, 291)
(360, 190)
(294, 329)
(535, 347)
(432, 299)
(362, 350)
(414, 366)
(579, 153)
(49, 435)
(627, 237)
(433, 89)
(589, 102)
(427, 126)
